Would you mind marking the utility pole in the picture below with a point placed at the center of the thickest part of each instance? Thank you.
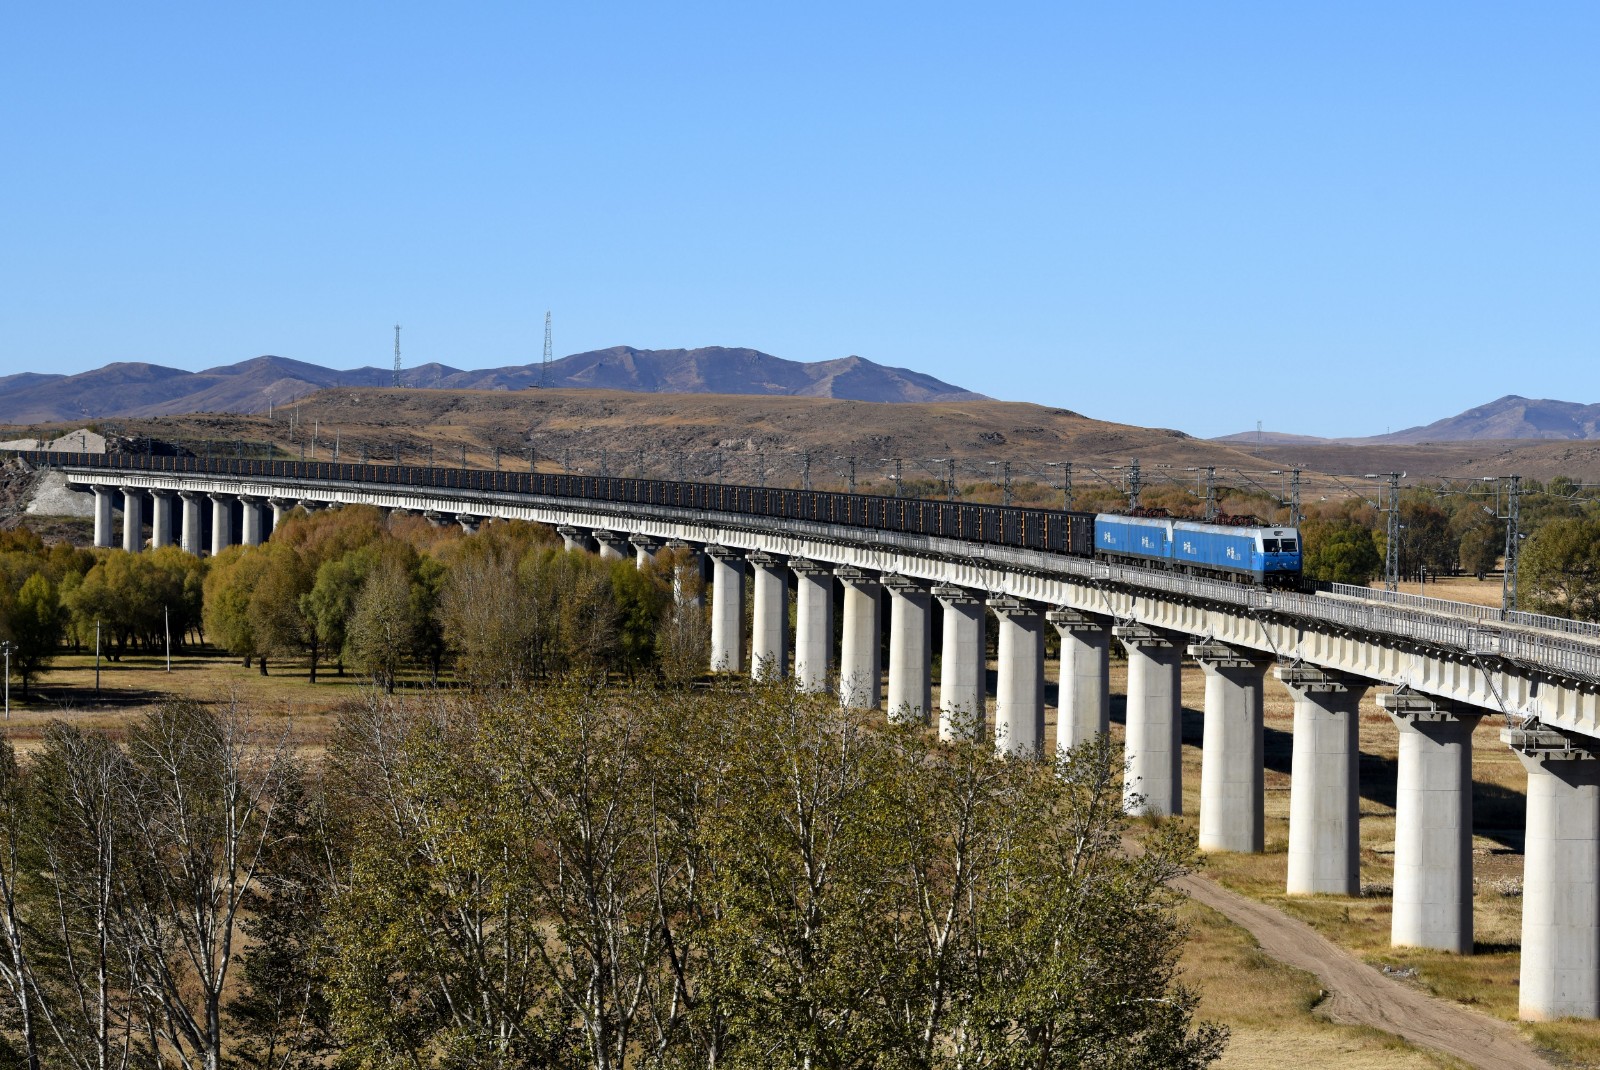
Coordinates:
(1295, 516)
(805, 470)
(1508, 583)
(97, 660)
(1391, 565)
(397, 356)
(1005, 480)
(1211, 493)
(1133, 485)
(1066, 481)
(852, 483)
(166, 624)
(950, 479)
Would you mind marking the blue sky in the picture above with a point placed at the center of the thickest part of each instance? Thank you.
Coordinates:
(1332, 220)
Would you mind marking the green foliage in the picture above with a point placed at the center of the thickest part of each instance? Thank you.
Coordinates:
(1339, 551)
(36, 623)
(1559, 571)
(745, 878)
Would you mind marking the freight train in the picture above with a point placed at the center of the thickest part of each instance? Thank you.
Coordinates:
(1251, 553)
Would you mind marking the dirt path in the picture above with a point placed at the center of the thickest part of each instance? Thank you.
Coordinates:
(1360, 995)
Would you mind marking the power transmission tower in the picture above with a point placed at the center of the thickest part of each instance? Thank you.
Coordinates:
(1134, 485)
(549, 354)
(1508, 585)
(1211, 492)
(397, 355)
(1294, 498)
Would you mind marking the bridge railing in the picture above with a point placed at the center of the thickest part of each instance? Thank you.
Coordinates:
(1471, 610)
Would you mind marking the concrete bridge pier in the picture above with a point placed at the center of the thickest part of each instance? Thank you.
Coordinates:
(250, 521)
(160, 519)
(574, 539)
(910, 687)
(963, 662)
(727, 608)
(688, 587)
(281, 508)
(1083, 695)
(1432, 822)
(860, 659)
(132, 519)
(813, 633)
(644, 550)
(1232, 769)
(1019, 683)
(1561, 875)
(469, 522)
(769, 628)
(1324, 813)
(105, 522)
(221, 523)
(1154, 738)
(611, 546)
(191, 524)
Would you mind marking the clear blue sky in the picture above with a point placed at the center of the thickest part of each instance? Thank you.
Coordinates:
(1174, 214)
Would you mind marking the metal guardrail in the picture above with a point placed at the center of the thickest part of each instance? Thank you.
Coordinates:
(1458, 627)
(1541, 621)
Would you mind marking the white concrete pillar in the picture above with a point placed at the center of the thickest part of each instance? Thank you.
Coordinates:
(860, 657)
(769, 627)
(1019, 681)
(470, 522)
(191, 524)
(813, 624)
(105, 531)
(910, 684)
(574, 539)
(281, 508)
(1083, 695)
(1432, 822)
(1232, 766)
(963, 663)
(727, 608)
(644, 550)
(688, 589)
(250, 521)
(611, 546)
(1324, 806)
(1154, 737)
(160, 519)
(1560, 877)
(132, 519)
(221, 523)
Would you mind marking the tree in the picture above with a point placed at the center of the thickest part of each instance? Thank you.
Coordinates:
(207, 795)
(1559, 569)
(1339, 551)
(36, 621)
(276, 613)
(383, 624)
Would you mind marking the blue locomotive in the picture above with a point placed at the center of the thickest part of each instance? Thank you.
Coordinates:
(1267, 556)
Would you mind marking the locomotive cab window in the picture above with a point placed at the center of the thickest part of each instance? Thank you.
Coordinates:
(1270, 545)
(1289, 546)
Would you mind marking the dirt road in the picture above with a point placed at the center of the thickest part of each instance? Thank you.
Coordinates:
(1360, 995)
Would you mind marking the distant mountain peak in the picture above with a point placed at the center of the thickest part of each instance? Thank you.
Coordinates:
(131, 388)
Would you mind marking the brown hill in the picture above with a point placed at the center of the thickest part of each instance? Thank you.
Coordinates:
(131, 389)
(1510, 417)
(728, 437)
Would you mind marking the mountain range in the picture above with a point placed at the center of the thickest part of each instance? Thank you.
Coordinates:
(136, 389)
(1510, 417)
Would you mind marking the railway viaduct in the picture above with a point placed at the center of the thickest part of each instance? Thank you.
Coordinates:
(1442, 668)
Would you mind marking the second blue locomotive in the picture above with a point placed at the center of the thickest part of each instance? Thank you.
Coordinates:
(1262, 555)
